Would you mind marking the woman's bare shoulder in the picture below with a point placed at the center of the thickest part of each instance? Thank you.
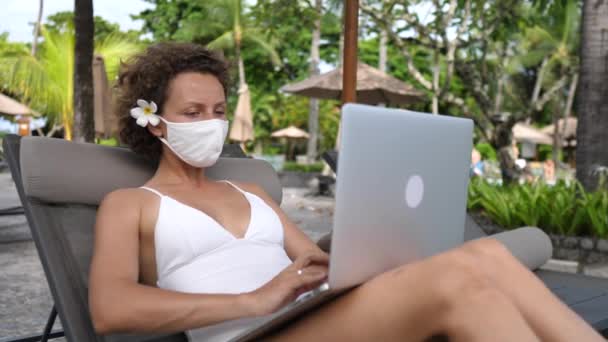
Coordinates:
(125, 200)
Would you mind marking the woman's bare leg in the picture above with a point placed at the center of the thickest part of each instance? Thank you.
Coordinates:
(488, 316)
(447, 294)
(548, 317)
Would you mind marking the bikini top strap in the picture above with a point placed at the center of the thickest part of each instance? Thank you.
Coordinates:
(233, 185)
(151, 190)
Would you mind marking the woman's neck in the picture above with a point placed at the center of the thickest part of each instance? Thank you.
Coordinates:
(174, 171)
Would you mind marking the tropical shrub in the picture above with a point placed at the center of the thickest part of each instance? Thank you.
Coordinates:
(486, 150)
(292, 166)
(560, 209)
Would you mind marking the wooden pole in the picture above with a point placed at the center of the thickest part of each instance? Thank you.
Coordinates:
(349, 65)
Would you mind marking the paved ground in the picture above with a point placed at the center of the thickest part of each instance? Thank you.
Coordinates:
(25, 300)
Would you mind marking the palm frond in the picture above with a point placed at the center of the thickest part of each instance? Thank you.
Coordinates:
(254, 36)
(223, 42)
(115, 48)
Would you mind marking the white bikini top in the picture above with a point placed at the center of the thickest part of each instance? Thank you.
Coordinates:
(195, 254)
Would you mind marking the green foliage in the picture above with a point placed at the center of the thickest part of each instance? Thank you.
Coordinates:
(45, 82)
(293, 166)
(63, 22)
(561, 209)
(166, 17)
(10, 53)
(108, 142)
(594, 207)
(277, 111)
(545, 152)
(486, 150)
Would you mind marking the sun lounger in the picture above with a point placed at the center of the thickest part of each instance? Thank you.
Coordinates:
(60, 184)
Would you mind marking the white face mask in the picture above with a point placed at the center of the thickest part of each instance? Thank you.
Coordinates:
(197, 143)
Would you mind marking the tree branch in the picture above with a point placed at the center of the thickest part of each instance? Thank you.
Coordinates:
(452, 46)
(383, 21)
(549, 94)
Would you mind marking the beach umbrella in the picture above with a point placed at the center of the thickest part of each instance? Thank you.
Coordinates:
(106, 123)
(291, 134)
(10, 106)
(242, 125)
(529, 134)
(570, 124)
(372, 87)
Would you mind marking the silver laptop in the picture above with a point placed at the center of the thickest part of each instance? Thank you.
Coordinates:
(400, 197)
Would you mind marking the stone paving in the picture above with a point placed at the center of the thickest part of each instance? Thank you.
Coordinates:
(25, 300)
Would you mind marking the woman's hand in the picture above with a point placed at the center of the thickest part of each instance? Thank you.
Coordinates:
(306, 273)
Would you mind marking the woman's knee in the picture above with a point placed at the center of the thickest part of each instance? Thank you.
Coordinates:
(445, 278)
(488, 248)
(459, 275)
(492, 257)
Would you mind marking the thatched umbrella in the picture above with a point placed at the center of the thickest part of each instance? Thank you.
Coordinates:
(373, 87)
(529, 134)
(106, 123)
(567, 130)
(19, 111)
(10, 106)
(292, 134)
(570, 125)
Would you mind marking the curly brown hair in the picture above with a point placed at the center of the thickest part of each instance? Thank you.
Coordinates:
(147, 76)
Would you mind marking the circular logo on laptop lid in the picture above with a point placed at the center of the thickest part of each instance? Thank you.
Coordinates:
(414, 191)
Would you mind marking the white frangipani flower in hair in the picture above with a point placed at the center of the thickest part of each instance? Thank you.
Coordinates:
(145, 113)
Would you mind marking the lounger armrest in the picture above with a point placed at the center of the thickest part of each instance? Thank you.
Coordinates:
(530, 245)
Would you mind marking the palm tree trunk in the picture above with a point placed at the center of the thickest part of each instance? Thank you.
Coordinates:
(238, 38)
(341, 47)
(557, 138)
(435, 105)
(239, 57)
(538, 84)
(592, 102)
(313, 114)
(382, 50)
(37, 29)
(568, 112)
(84, 125)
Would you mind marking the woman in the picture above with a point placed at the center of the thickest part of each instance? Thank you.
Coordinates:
(188, 253)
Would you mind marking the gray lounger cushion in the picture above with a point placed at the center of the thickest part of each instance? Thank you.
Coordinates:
(87, 172)
(61, 184)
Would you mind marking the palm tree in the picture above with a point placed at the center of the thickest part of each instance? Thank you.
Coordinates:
(37, 28)
(554, 45)
(230, 29)
(84, 125)
(592, 102)
(313, 114)
(45, 83)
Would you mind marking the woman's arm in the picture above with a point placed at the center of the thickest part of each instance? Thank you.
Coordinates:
(297, 243)
(118, 303)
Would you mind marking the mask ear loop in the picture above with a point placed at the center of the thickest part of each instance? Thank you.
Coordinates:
(166, 142)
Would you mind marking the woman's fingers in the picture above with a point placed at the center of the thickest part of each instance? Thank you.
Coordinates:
(307, 277)
(311, 258)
